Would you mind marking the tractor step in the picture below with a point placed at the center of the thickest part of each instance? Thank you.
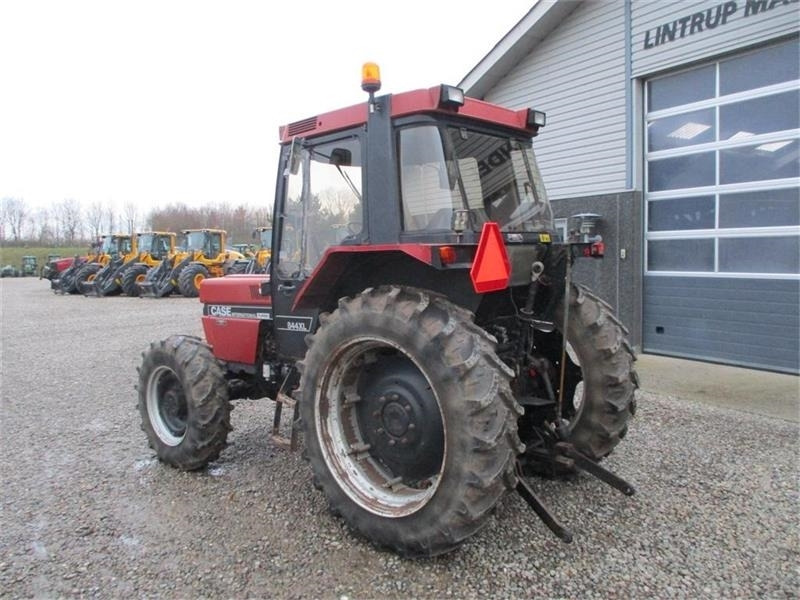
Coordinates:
(565, 455)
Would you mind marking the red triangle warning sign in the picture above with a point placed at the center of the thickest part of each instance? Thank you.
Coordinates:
(491, 269)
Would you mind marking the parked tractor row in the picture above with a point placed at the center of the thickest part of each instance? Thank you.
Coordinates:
(152, 264)
(27, 267)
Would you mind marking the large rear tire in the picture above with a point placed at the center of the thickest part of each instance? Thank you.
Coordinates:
(183, 402)
(410, 425)
(601, 382)
(190, 278)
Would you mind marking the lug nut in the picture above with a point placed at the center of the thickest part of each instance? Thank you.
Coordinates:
(392, 442)
(412, 426)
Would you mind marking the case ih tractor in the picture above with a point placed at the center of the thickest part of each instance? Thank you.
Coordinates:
(434, 352)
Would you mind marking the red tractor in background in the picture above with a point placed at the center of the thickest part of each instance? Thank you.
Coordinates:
(418, 319)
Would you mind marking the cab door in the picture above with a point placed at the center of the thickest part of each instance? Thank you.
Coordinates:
(287, 273)
(319, 206)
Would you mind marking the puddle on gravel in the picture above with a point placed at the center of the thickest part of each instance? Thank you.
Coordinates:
(143, 463)
(39, 550)
(216, 471)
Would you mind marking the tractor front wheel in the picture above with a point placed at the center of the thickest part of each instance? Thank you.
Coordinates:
(600, 380)
(410, 425)
(190, 278)
(183, 402)
(85, 274)
(132, 277)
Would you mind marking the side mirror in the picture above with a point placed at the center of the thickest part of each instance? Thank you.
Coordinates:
(294, 155)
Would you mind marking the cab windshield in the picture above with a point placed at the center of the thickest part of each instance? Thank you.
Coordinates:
(452, 177)
(145, 242)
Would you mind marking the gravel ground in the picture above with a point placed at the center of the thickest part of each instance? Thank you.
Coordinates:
(88, 511)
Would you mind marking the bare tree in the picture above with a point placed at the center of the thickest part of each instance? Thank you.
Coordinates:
(14, 212)
(131, 212)
(94, 218)
(110, 219)
(70, 220)
(43, 230)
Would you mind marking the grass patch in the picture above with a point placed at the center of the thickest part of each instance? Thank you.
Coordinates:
(12, 255)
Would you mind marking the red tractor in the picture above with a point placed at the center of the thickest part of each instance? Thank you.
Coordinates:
(413, 320)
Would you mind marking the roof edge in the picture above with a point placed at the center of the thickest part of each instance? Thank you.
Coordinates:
(540, 20)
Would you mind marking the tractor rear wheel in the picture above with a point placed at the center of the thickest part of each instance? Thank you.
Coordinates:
(183, 402)
(410, 425)
(132, 277)
(190, 278)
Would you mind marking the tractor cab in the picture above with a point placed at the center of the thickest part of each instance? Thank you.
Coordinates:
(208, 243)
(116, 245)
(158, 245)
(441, 168)
(28, 266)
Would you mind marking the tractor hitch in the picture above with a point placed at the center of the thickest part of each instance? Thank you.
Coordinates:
(565, 455)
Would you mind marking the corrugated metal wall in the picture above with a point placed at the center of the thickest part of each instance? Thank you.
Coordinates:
(577, 76)
(750, 23)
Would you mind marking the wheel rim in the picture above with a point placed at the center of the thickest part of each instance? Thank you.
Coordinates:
(140, 278)
(166, 406)
(380, 427)
(198, 279)
(573, 388)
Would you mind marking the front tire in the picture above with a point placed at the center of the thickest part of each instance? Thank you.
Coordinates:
(410, 425)
(601, 382)
(183, 402)
(85, 274)
(190, 278)
(131, 278)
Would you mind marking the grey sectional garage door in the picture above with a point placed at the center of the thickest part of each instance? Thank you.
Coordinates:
(722, 267)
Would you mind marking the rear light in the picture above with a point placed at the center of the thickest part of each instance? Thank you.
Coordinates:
(536, 119)
(595, 250)
(451, 97)
(447, 254)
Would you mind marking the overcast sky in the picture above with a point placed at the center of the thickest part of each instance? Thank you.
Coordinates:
(180, 101)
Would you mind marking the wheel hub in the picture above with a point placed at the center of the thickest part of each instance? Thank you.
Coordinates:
(400, 419)
(167, 406)
(395, 419)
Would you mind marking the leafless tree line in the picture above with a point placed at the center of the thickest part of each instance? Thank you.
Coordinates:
(69, 223)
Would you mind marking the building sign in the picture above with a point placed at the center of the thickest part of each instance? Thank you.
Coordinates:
(705, 20)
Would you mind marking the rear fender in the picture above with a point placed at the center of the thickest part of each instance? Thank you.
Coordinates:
(347, 270)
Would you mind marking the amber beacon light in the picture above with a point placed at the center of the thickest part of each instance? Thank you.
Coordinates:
(370, 77)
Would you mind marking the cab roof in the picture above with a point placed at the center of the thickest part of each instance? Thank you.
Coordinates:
(423, 101)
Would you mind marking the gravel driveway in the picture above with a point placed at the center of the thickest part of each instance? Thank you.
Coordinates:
(86, 510)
